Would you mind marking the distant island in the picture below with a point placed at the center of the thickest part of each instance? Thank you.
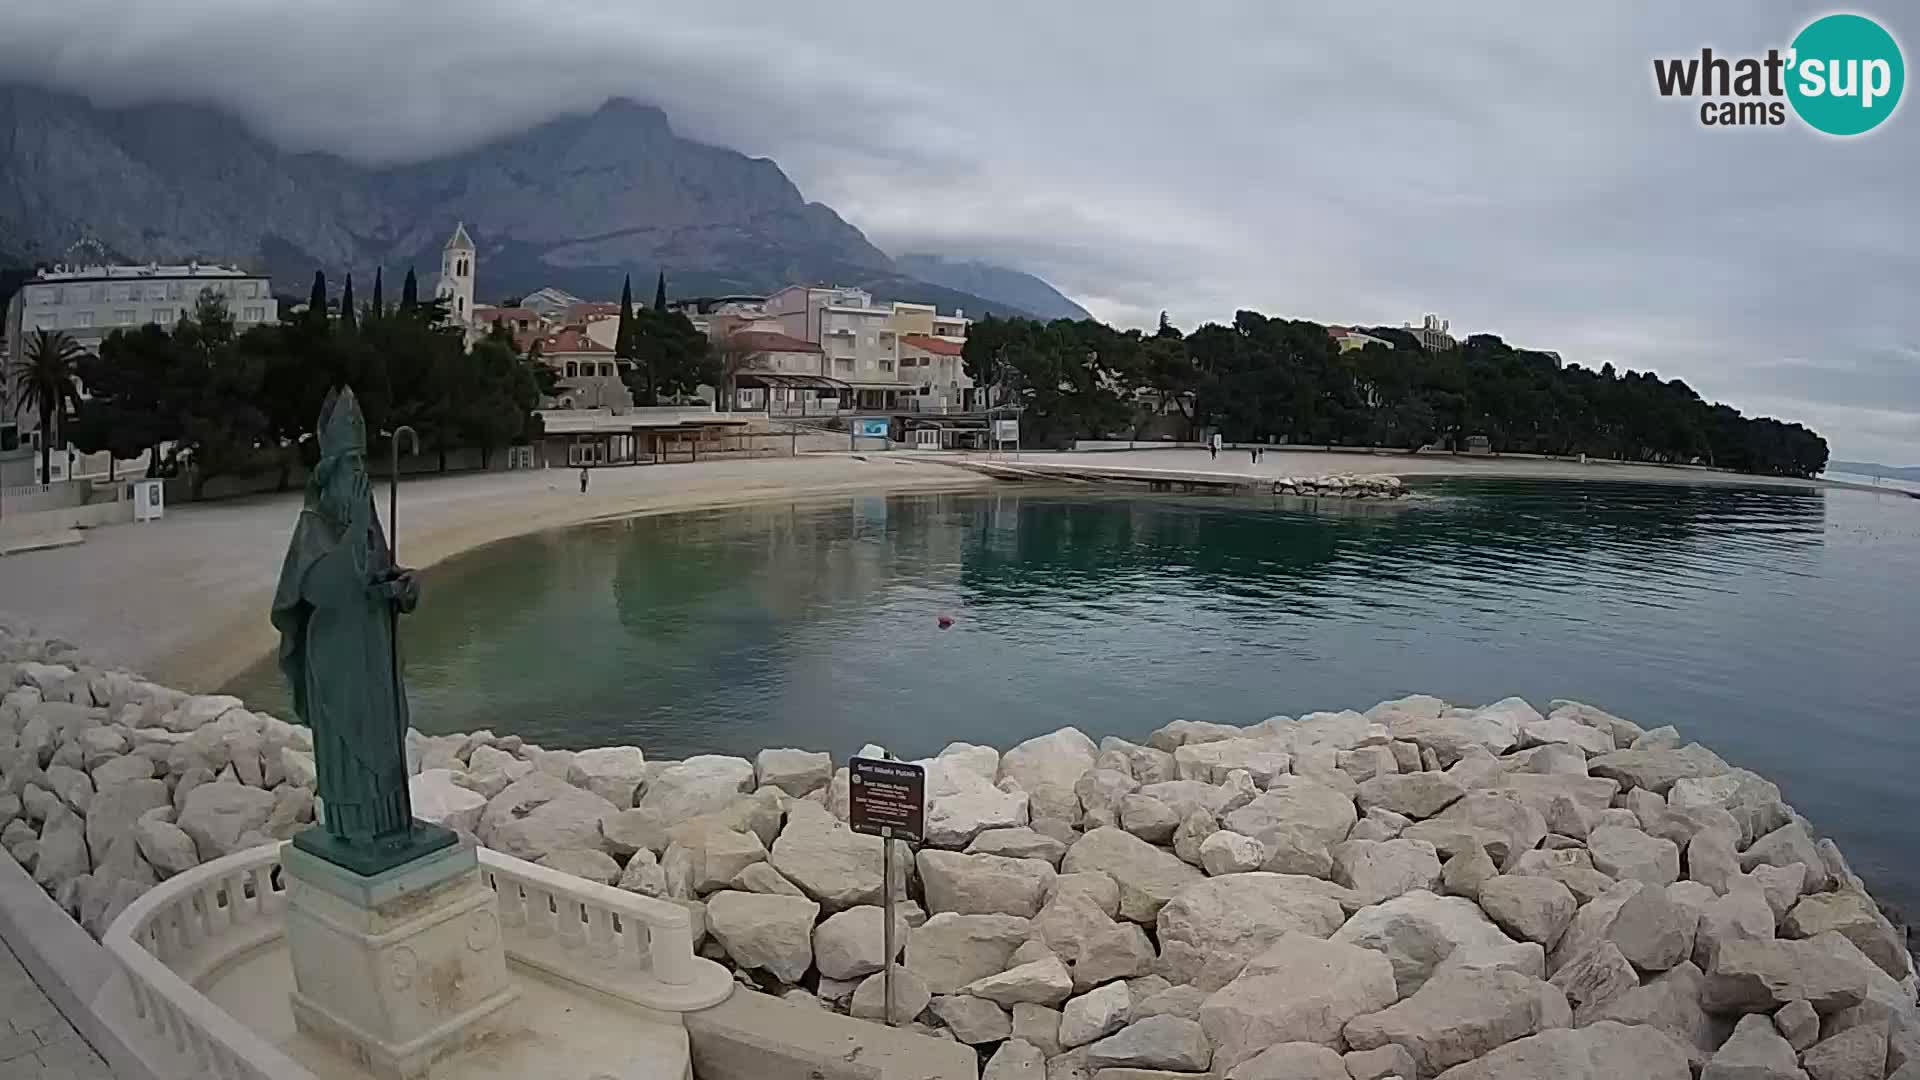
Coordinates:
(1869, 468)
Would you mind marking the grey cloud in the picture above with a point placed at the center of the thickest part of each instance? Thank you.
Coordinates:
(1508, 165)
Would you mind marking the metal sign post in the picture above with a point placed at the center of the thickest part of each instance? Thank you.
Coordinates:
(887, 799)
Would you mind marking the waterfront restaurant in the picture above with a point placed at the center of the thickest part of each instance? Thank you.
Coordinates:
(643, 435)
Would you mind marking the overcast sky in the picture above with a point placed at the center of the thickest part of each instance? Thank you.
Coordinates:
(1506, 166)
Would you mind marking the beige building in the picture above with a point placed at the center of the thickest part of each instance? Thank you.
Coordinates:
(88, 302)
(935, 374)
(858, 338)
(456, 276)
(589, 374)
(1433, 333)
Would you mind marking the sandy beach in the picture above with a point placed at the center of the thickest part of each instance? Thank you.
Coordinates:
(185, 599)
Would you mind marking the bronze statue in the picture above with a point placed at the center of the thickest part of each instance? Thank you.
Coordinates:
(337, 609)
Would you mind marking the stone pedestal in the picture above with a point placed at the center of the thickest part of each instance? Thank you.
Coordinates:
(400, 969)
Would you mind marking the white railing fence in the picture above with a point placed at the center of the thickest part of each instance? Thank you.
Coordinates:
(632, 947)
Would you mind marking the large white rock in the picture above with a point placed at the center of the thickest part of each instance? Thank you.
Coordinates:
(1657, 770)
(1183, 732)
(967, 805)
(62, 853)
(795, 772)
(1563, 729)
(972, 1020)
(1605, 1051)
(1419, 930)
(910, 996)
(984, 884)
(714, 853)
(1460, 1015)
(1784, 846)
(1148, 876)
(1210, 762)
(949, 951)
(1853, 915)
(772, 933)
(1298, 806)
(218, 816)
(614, 773)
(1416, 795)
(852, 943)
(438, 799)
(1456, 732)
(1043, 982)
(1228, 852)
(1669, 1001)
(541, 813)
(1652, 931)
(166, 848)
(1381, 870)
(489, 770)
(1760, 976)
(1293, 1061)
(1094, 1015)
(1300, 989)
(830, 862)
(699, 785)
(1158, 1042)
(1047, 768)
(1100, 792)
(1018, 843)
(1211, 928)
(1076, 927)
(1755, 1051)
(114, 810)
(1500, 821)
(1533, 909)
(1623, 853)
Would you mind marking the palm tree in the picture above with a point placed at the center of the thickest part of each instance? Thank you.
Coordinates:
(47, 376)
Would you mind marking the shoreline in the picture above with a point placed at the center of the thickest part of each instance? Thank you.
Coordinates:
(1596, 887)
(122, 589)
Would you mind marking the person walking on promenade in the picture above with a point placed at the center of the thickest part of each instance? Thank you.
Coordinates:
(1213, 447)
(583, 479)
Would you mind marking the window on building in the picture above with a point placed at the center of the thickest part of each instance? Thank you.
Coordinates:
(573, 370)
(176, 290)
(9, 436)
(163, 316)
(46, 321)
(82, 320)
(123, 316)
(886, 365)
(460, 304)
(99, 293)
(254, 314)
(157, 291)
(45, 296)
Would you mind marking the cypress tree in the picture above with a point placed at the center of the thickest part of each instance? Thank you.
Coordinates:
(317, 299)
(660, 292)
(379, 306)
(347, 317)
(409, 292)
(623, 335)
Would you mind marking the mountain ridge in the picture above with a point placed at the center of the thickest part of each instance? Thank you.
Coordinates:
(577, 201)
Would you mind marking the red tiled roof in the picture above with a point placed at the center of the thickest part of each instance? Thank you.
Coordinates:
(770, 341)
(938, 346)
(570, 339)
(581, 312)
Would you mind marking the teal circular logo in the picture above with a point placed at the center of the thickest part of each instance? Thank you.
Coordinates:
(1846, 74)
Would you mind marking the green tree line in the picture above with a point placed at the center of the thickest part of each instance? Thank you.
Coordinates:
(1285, 380)
(207, 401)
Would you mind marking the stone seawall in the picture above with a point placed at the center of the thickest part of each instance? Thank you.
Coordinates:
(1416, 890)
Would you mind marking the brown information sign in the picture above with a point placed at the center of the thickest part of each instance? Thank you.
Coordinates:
(887, 798)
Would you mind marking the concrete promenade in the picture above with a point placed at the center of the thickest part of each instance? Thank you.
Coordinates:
(184, 600)
(36, 1042)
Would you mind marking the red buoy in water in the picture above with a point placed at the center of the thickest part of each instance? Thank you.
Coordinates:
(945, 621)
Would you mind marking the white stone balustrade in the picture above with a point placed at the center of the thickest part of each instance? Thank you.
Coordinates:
(633, 948)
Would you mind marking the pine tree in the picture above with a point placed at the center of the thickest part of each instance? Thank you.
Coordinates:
(660, 292)
(409, 293)
(623, 334)
(317, 299)
(379, 306)
(347, 317)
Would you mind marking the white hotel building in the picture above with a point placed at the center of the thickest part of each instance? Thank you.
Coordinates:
(88, 302)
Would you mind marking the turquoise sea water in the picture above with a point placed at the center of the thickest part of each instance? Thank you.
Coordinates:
(1777, 626)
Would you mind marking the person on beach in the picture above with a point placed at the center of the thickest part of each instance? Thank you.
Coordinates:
(583, 479)
(1213, 447)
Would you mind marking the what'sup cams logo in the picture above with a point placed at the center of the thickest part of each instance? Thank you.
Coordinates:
(1842, 75)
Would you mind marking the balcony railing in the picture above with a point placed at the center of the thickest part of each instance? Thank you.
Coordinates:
(631, 947)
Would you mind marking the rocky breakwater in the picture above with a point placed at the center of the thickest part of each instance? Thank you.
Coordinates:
(1415, 891)
(1342, 486)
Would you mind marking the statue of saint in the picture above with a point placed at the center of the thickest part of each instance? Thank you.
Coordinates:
(337, 610)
